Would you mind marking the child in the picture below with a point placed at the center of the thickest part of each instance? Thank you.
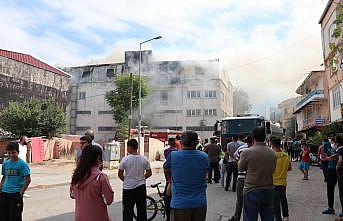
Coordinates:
(137, 170)
(283, 165)
(15, 180)
(305, 160)
(90, 187)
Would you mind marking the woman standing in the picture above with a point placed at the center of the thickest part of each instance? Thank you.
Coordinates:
(90, 187)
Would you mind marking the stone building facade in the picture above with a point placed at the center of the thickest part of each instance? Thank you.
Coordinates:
(24, 77)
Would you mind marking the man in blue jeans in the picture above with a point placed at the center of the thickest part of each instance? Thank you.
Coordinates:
(259, 161)
(187, 169)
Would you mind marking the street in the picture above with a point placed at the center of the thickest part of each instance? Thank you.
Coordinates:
(51, 202)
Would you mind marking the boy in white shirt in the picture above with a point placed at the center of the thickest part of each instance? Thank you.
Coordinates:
(137, 169)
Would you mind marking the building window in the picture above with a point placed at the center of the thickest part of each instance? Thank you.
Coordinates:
(331, 30)
(105, 112)
(336, 97)
(110, 73)
(164, 97)
(84, 112)
(86, 74)
(193, 113)
(106, 128)
(210, 94)
(82, 95)
(210, 112)
(193, 94)
(82, 128)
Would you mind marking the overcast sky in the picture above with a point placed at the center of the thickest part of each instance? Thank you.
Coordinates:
(267, 46)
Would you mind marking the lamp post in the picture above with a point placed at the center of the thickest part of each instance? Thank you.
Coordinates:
(140, 89)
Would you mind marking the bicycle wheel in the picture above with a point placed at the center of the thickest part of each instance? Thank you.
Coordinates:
(151, 209)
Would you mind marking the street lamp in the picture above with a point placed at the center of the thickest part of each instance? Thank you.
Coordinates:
(140, 89)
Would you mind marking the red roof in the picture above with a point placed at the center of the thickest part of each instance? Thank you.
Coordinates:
(28, 59)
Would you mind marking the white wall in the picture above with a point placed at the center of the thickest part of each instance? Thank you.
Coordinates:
(336, 113)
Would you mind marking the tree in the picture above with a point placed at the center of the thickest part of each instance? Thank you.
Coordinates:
(241, 103)
(119, 98)
(33, 118)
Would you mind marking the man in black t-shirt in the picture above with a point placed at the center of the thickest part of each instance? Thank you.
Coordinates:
(339, 142)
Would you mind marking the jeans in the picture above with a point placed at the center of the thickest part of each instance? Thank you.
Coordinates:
(222, 174)
(232, 169)
(194, 214)
(325, 165)
(261, 202)
(340, 186)
(280, 198)
(214, 167)
(330, 186)
(239, 200)
(11, 206)
(134, 197)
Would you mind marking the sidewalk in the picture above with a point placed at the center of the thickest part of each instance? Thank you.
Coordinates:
(59, 171)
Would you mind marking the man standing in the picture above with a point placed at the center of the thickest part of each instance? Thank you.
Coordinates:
(259, 161)
(339, 168)
(90, 133)
(283, 165)
(187, 169)
(240, 181)
(167, 199)
(23, 142)
(137, 169)
(213, 152)
(232, 168)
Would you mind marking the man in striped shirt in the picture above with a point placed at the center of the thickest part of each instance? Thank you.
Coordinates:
(240, 180)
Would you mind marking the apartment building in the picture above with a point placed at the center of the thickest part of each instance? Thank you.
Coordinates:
(287, 118)
(184, 95)
(312, 110)
(333, 72)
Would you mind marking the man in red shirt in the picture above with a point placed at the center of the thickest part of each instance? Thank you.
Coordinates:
(305, 159)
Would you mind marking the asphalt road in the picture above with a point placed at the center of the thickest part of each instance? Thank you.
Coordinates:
(306, 199)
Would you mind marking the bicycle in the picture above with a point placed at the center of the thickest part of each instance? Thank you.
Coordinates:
(153, 206)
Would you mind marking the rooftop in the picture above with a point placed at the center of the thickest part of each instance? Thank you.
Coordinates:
(28, 59)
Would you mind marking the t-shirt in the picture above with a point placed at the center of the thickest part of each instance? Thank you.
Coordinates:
(339, 152)
(22, 151)
(297, 145)
(213, 152)
(305, 157)
(15, 173)
(188, 170)
(281, 169)
(259, 161)
(167, 151)
(134, 167)
(232, 148)
(241, 174)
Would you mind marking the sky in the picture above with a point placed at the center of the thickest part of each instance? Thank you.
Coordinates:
(267, 46)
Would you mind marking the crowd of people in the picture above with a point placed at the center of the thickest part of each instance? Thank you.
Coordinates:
(257, 172)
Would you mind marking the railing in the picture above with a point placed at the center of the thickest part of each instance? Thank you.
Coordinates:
(312, 122)
(308, 96)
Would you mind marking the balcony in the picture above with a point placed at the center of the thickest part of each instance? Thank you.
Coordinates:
(318, 121)
(313, 96)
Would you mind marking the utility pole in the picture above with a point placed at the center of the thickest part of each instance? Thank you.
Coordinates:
(130, 115)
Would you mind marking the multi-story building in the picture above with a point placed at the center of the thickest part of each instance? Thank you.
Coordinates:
(312, 110)
(185, 95)
(333, 70)
(24, 77)
(287, 118)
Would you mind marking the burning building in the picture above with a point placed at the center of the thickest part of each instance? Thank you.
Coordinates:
(24, 77)
(185, 95)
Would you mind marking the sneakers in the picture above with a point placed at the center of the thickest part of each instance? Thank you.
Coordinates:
(329, 211)
(285, 219)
